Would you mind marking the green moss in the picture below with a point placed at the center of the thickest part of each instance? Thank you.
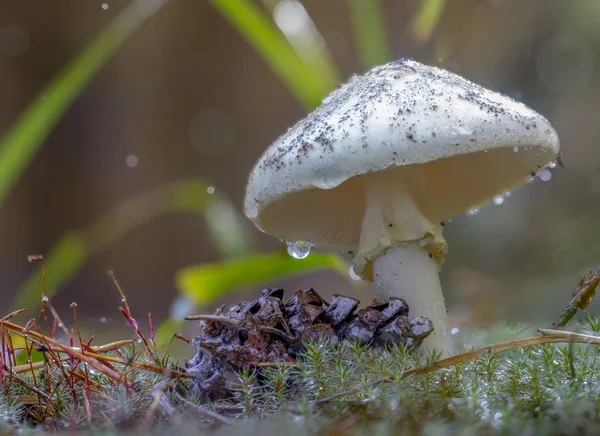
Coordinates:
(545, 389)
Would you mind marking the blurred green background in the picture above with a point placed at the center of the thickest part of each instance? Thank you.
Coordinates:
(128, 128)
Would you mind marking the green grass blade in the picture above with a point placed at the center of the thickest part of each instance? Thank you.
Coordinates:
(306, 39)
(369, 31)
(426, 19)
(22, 140)
(227, 231)
(75, 248)
(305, 84)
(205, 284)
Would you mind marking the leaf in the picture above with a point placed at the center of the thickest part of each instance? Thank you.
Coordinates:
(205, 284)
(426, 19)
(369, 32)
(308, 87)
(23, 139)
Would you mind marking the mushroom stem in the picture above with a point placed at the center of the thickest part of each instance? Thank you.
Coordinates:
(410, 273)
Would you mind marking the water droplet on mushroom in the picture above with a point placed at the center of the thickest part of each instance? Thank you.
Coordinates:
(498, 199)
(473, 211)
(507, 194)
(545, 175)
(552, 164)
(299, 249)
(516, 149)
(353, 275)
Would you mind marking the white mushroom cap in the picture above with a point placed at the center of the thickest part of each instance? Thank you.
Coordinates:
(405, 128)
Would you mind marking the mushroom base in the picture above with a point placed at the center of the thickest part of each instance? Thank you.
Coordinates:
(401, 250)
(410, 273)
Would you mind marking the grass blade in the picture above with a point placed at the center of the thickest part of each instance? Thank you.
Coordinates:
(369, 32)
(426, 20)
(22, 140)
(308, 87)
(304, 37)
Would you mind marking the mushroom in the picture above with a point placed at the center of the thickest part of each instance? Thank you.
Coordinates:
(384, 161)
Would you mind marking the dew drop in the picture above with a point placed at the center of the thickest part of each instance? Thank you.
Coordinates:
(73, 305)
(454, 331)
(45, 299)
(545, 175)
(552, 164)
(507, 194)
(210, 190)
(498, 199)
(60, 325)
(516, 149)
(473, 211)
(103, 320)
(353, 275)
(299, 249)
(105, 6)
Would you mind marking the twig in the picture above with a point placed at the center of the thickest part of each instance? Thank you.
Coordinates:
(57, 318)
(582, 296)
(75, 353)
(548, 337)
(14, 376)
(99, 348)
(207, 412)
(236, 322)
(173, 415)
(111, 274)
(157, 394)
(13, 314)
(213, 318)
